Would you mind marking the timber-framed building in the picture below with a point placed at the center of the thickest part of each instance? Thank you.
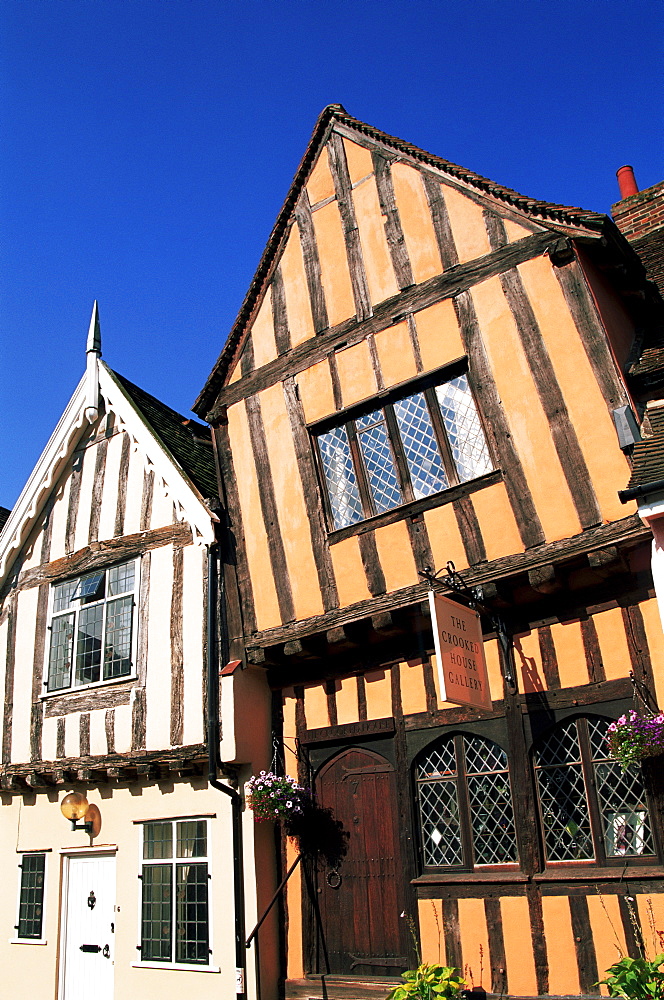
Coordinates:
(430, 368)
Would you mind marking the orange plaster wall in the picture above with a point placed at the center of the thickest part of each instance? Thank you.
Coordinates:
(293, 518)
(492, 657)
(315, 706)
(236, 373)
(356, 374)
(607, 931)
(519, 959)
(474, 943)
(349, 572)
(378, 691)
(396, 556)
(258, 555)
(563, 971)
(395, 353)
(527, 421)
(528, 661)
(587, 408)
(347, 701)
(416, 222)
(612, 640)
(295, 964)
(359, 160)
(445, 537)
(651, 909)
(571, 656)
(497, 521)
(262, 333)
(438, 335)
(515, 231)
(320, 184)
(375, 252)
(413, 692)
(316, 393)
(298, 303)
(432, 937)
(467, 222)
(653, 627)
(333, 264)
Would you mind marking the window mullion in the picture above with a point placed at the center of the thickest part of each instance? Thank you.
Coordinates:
(400, 459)
(441, 436)
(596, 824)
(464, 805)
(360, 470)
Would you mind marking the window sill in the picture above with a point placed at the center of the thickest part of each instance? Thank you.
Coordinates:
(454, 878)
(175, 967)
(41, 941)
(415, 507)
(83, 688)
(589, 873)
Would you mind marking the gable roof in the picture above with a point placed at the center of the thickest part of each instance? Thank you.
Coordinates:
(544, 212)
(647, 459)
(175, 447)
(189, 442)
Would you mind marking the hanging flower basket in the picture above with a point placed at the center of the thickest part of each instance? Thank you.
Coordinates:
(633, 738)
(274, 797)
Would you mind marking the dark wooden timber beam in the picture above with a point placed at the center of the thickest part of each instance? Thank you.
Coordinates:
(629, 530)
(105, 553)
(452, 282)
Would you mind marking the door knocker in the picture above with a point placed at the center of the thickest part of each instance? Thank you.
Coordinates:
(106, 951)
(333, 879)
(92, 899)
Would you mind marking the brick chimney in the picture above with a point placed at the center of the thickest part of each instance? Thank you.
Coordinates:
(640, 218)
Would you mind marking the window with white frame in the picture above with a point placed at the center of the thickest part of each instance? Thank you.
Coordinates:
(174, 904)
(31, 897)
(91, 627)
(415, 444)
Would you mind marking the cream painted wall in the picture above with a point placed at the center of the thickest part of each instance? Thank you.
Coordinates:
(34, 823)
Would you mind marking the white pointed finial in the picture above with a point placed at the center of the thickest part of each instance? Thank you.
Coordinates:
(93, 353)
(94, 333)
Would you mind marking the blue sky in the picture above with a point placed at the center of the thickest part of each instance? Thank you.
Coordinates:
(147, 146)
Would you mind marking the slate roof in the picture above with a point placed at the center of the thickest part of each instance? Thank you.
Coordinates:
(648, 455)
(188, 442)
(545, 212)
(4, 514)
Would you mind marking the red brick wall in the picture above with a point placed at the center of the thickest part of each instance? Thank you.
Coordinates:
(641, 213)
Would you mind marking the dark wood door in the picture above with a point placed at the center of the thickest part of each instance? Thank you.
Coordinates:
(364, 932)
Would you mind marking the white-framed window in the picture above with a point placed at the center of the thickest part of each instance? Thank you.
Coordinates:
(91, 628)
(418, 441)
(175, 913)
(29, 926)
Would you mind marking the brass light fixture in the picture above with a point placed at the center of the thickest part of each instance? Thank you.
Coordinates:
(75, 806)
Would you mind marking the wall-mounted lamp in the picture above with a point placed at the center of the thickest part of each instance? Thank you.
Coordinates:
(75, 806)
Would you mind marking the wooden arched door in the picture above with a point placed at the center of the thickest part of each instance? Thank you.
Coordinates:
(364, 932)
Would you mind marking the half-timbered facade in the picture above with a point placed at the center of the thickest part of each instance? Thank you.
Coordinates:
(108, 633)
(428, 369)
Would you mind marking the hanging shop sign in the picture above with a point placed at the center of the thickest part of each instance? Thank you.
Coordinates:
(462, 671)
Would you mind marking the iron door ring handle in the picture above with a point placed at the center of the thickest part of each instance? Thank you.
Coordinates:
(106, 951)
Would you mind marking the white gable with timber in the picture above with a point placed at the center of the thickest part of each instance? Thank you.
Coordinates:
(124, 479)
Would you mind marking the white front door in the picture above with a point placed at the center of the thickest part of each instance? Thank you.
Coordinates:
(88, 918)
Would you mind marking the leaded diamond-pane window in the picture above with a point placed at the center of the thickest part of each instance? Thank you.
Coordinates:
(590, 809)
(174, 910)
(91, 628)
(413, 447)
(465, 800)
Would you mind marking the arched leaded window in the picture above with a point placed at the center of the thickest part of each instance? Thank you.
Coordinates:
(590, 808)
(465, 804)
